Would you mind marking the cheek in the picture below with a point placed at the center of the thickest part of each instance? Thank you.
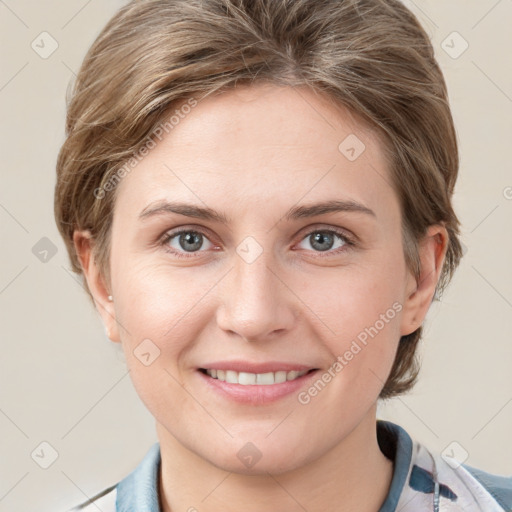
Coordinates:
(160, 314)
(163, 311)
(155, 298)
(360, 312)
(350, 299)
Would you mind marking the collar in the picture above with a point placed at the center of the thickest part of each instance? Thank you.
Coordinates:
(396, 444)
(139, 491)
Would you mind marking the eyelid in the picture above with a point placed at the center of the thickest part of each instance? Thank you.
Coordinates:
(334, 229)
(169, 233)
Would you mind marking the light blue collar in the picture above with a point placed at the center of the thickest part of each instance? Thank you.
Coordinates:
(138, 492)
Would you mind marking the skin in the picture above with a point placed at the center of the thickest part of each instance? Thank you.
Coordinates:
(254, 153)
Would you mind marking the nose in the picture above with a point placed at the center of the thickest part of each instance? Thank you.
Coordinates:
(256, 304)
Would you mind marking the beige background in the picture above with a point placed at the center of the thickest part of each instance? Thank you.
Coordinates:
(62, 381)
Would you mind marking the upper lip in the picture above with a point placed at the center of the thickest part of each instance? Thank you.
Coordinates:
(250, 367)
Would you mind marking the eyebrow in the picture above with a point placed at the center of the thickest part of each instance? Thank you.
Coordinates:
(294, 213)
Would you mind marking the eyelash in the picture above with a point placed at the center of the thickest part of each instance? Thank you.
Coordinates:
(349, 243)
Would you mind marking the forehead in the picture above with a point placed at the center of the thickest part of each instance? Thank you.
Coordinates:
(267, 115)
(261, 141)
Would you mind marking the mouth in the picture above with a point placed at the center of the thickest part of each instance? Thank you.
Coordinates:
(266, 384)
(252, 379)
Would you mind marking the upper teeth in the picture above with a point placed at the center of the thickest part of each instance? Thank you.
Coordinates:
(232, 377)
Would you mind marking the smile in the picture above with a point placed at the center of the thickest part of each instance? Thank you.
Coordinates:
(251, 379)
(260, 388)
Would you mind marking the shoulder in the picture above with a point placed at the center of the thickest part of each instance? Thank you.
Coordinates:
(135, 492)
(470, 488)
(498, 486)
(104, 501)
(425, 477)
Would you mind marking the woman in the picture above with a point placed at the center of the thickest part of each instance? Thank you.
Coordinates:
(258, 194)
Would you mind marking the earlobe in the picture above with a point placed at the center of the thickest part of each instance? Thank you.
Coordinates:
(84, 245)
(419, 294)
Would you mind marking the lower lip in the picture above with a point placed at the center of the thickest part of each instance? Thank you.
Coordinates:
(256, 394)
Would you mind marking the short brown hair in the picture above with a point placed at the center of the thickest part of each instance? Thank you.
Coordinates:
(370, 56)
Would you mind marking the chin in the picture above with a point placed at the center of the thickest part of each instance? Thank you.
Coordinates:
(257, 458)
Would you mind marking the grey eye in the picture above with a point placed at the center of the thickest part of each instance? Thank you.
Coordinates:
(187, 241)
(324, 240)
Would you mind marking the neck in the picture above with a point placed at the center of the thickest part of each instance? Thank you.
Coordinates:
(354, 475)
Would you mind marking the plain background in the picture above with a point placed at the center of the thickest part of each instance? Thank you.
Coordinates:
(64, 383)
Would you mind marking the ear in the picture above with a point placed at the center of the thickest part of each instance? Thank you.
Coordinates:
(84, 246)
(432, 251)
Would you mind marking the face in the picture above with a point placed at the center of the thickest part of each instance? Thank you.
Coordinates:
(266, 283)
